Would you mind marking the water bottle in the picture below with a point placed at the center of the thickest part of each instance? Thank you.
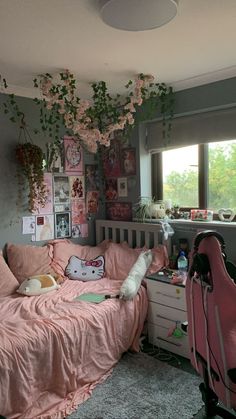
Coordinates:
(182, 264)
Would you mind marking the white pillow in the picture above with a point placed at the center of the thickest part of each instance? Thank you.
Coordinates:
(132, 283)
(37, 285)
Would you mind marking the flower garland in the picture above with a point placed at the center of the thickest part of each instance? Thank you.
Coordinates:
(95, 122)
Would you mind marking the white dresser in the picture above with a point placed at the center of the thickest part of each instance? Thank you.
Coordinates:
(166, 312)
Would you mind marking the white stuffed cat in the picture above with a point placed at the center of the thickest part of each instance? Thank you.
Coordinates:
(132, 283)
(85, 270)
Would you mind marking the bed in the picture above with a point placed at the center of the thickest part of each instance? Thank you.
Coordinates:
(54, 350)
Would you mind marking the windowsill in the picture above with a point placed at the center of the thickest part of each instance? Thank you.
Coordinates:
(194, 223)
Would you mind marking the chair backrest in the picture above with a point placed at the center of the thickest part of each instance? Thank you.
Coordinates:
(211, 307)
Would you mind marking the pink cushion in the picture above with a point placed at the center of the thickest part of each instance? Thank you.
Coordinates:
(119, 259)
(62, 250)
(8, 282)
(160, 259)
(26, 260)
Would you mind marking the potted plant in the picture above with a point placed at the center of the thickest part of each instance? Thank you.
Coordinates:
(30, 158)
(148, 208)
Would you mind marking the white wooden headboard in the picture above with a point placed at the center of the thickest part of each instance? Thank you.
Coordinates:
(136, 234)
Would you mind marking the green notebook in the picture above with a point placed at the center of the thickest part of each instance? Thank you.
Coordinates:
(94, 298)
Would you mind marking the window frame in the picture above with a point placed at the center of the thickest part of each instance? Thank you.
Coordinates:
(203, 172)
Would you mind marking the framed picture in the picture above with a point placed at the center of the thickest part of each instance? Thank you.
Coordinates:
(128, 161)
(92, 202)
(62, 225)
(119, 211)
(122, 187)
(73, 156)
(78, 212)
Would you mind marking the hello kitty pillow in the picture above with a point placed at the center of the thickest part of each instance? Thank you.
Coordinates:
(85, 270)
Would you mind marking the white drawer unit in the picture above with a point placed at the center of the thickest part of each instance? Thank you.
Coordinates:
(166, 312)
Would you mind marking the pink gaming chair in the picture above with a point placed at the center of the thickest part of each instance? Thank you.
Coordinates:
(211, 308)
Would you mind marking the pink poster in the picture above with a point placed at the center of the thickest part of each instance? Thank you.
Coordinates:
(73, 156)
(78, 212)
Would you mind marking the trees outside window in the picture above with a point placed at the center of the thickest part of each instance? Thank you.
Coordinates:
(182, 176)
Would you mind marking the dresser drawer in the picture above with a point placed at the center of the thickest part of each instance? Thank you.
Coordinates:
(157, 314)
(158, 336)
(166, 294)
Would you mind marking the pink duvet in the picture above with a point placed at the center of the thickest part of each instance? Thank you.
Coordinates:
(53, 350)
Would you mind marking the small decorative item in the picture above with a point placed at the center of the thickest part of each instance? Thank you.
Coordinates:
(201, 215)
(226, 214)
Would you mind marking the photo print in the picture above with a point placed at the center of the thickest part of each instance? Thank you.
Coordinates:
(111, 193)
(128, 160)
(119, 211)
(78, 212)
(111, 160)
(76, 187)
(92, 202)
(61, 189)
(62, 225)
(73, 156)
(122, 187)
(44, 227)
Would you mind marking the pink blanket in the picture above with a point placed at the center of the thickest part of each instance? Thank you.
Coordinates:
(54, 350)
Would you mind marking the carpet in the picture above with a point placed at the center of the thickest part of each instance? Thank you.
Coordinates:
(142, 387)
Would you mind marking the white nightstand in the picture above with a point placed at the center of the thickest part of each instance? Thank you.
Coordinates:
(167, 305)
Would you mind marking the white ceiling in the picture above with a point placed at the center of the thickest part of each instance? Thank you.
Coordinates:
(37, 36)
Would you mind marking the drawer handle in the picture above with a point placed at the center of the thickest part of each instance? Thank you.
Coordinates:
(167, 295)
(168, 341)
(165, 318)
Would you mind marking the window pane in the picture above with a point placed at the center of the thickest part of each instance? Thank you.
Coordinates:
(180, 176)
(222, 175)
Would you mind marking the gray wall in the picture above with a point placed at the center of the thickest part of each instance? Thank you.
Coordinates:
(213, 95)
(11, 209)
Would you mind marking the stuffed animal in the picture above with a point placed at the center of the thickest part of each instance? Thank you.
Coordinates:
(132, 283)
(37, 285)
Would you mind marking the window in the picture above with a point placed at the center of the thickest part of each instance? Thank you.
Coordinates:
(202, 176)
(180, 176)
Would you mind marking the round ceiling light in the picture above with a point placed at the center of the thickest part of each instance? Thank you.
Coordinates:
(137, 15)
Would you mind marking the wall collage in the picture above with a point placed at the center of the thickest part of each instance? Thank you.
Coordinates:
(73, 192)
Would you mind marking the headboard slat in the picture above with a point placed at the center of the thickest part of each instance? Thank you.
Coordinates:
(137, 234)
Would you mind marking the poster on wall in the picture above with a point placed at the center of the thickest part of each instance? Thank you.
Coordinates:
(92, 202)
(128, 161)
(61, 189)
(111, 160)
(76, 187)
(111, 193)
(79, 230)
(78, 212)
(44, 227)
(28, 224)
(119, 211)
(92, 181)
(62, 225)
(73, 156)
(122, 187)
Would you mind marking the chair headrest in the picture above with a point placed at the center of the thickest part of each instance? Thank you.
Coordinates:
(207, 233)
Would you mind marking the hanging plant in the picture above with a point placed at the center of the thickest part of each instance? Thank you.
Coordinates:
(30, 159)
(95, 122)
